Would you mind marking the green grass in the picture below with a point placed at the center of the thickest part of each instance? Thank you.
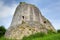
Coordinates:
(49, 37)
(39, 36)
(3, 38)
(44, 37)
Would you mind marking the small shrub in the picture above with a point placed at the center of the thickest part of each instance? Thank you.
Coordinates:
(23, 22)
(58, 31)
(2, 31)
(22, 2)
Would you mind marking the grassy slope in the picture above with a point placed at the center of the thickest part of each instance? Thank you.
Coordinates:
(46, 37)
(49, 37)
(38, 37)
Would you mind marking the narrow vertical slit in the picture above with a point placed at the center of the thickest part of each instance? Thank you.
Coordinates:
(23, 17)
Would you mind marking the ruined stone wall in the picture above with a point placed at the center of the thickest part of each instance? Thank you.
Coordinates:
(33, 22)
(30, 13)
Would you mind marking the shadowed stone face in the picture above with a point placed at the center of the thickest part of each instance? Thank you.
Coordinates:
(27, 20)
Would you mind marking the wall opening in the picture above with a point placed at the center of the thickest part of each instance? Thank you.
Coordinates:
(23, 17)
(44, 21)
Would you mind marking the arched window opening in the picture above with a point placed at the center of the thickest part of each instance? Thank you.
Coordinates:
(23, 17)
(44, 21)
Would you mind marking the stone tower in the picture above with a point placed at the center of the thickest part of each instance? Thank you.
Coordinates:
(27, 15)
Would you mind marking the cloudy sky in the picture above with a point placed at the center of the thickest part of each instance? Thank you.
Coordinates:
(49, 8)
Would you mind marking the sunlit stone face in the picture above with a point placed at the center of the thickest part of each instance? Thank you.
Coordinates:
(27, 13)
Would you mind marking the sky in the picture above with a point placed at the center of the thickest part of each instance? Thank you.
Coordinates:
(49, 8)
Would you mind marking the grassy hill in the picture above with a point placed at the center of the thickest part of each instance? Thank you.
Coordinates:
(43, 37)
(40, 36)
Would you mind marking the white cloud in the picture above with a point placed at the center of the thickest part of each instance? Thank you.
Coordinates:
(5, 10)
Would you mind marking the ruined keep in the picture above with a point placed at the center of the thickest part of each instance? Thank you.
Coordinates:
(27, 20)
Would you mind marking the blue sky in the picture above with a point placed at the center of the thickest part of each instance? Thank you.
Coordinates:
(49, 8)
